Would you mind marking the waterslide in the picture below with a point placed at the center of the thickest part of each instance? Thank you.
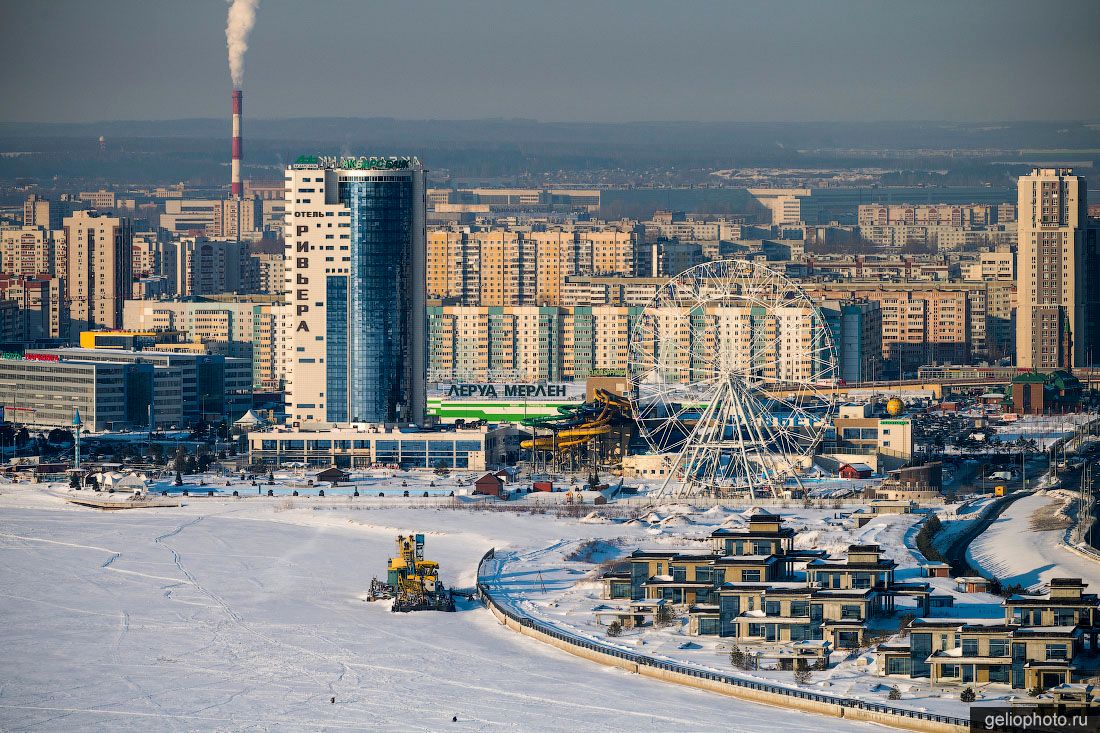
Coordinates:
(577, 425)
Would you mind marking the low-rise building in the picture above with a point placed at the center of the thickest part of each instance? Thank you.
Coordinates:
(747, 586)
(1036, 644)
(364, 445)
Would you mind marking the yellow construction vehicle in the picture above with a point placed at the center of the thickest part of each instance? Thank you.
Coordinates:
(411, 581)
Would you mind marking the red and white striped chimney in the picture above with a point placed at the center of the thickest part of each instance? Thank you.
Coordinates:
(238, 103)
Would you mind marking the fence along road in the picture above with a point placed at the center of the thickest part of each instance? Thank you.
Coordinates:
(704, 679)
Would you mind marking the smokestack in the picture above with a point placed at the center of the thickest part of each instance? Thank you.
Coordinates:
(238, 103)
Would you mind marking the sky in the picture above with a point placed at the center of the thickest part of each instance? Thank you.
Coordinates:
(557, 60)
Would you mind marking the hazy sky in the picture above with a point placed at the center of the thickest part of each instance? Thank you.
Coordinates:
(587, 60)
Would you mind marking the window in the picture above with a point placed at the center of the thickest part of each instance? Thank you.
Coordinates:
(949, 670)
(970, 647)
(1056, 652)
(898, 665)
(771, 608)
(800, 608)
(750, 576)
(679, 573)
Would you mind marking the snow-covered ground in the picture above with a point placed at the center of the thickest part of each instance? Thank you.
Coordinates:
(1015, 553)
(249, 615)
(548, 584)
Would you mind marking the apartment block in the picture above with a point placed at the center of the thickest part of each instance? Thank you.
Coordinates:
(1057, 261)
(208, 267)
(227, 325)
(40, 303)
(27, 250)
(99, 273)
(510, 266)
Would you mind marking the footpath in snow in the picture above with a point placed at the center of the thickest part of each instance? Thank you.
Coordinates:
(250, 616)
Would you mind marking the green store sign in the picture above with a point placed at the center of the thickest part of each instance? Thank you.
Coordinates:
(362, 162)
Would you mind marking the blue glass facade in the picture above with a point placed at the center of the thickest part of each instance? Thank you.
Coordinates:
(336, 348)
(378, 293)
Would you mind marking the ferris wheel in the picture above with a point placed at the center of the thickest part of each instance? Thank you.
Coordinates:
(734, 377)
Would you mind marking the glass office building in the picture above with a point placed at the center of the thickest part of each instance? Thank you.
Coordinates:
(355, 329)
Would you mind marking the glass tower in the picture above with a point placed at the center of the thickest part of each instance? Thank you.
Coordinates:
(355, 329)
(378, 333)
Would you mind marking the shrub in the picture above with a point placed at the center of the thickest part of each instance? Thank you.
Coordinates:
(737, 657)
(664, 616)
(894, 694)
(614, 628)
(1035, 691)
(803, 676)
(968, 695)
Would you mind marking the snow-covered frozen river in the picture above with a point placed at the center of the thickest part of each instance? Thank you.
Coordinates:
(229, 616)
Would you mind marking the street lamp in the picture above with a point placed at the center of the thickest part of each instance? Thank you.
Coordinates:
(78, 425)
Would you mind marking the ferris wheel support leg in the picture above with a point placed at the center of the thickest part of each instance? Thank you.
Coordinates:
(742, 419)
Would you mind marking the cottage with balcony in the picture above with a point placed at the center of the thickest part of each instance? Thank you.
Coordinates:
(1036, 644)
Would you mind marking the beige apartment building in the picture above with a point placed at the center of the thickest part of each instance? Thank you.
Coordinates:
(956, 215)
(27, 250)
(996, 266)
(513, 266)
(40, 303)
(1057, 273)
(99, 274)
(207, 267)
(921, 324)
(224, 325)
(471, 343)
(234, 219)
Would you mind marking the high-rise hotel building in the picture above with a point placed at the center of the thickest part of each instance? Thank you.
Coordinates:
(353, 341)
(1058, 280)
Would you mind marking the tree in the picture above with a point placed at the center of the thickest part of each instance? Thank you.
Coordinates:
(181, 456)
(74, 482)
(441, 468)
(60, 437)
(737, 657)
(803, 676)
(968, 695)
(614, 628)
(179, 478)
(894, 694)
(664, 615)
(156, 452)
(22, 438)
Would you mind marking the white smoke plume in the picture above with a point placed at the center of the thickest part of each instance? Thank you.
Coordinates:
(242, 16)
